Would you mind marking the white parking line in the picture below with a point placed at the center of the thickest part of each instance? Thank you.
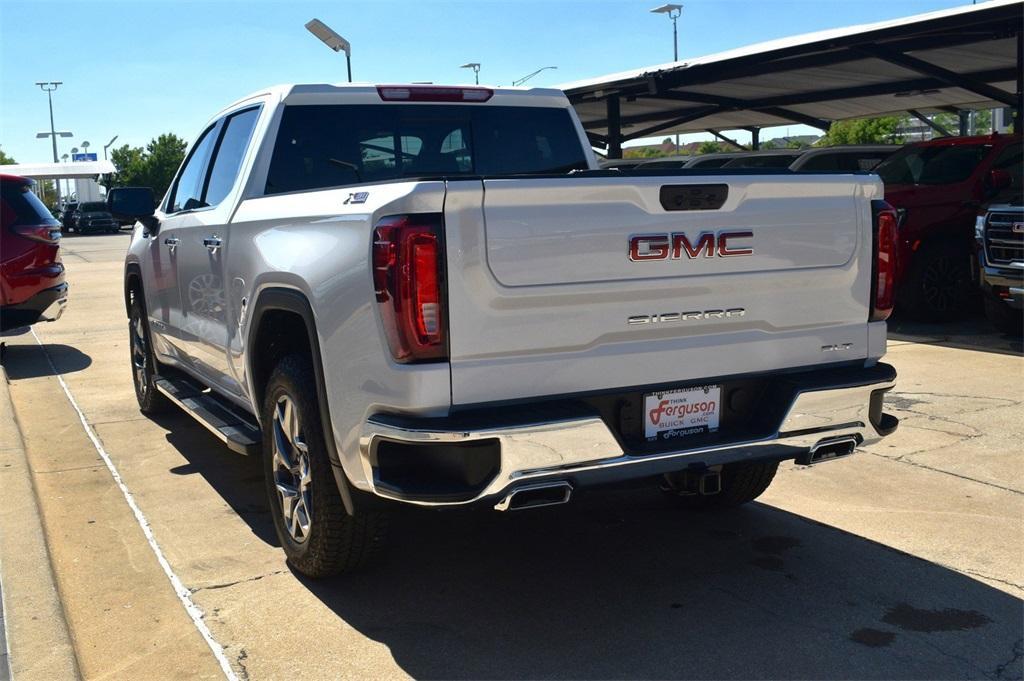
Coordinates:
(193, 610)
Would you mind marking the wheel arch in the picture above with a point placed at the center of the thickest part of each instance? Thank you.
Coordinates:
(132, 280)
(273, 307)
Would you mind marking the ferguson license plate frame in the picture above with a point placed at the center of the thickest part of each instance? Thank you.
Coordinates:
(677, 413)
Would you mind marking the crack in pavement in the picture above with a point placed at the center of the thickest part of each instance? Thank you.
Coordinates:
(225, 585)
(900, 459)
(1018, 654)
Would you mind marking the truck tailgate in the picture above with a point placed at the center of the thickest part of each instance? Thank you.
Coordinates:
(545, 298)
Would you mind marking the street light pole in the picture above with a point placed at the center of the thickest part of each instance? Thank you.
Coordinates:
(673, 12)
(48, 87)
(476, 70)
(331, 39)
(107, 146)
(520, 81)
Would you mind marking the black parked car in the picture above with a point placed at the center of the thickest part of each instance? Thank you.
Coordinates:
(93, 216)
(67, 215)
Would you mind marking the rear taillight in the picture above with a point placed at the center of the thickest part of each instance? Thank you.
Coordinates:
(408, 279)
(44, 233)
(883, 273)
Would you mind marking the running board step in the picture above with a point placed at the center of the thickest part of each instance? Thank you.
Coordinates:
(239, 433)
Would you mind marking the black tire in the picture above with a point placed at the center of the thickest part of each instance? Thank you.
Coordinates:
(1003, 317)
(332, 542)
(741, 484)
(143, 363)
(938, 286)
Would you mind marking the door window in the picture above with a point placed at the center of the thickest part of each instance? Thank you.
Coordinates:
(234, 141)
(188, 188)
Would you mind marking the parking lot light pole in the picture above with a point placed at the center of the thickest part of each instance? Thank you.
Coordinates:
(476, 70)
(673, 12)
(520, 81)
(48, 87)
(107, 146)
(331, 39)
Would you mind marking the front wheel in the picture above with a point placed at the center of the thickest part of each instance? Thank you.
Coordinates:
(317, 534)
(938, 284)
(150, 400)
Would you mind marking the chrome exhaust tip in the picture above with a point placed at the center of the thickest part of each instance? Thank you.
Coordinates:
(535, 496)
(829, 450)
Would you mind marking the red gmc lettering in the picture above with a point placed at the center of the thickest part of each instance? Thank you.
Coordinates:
(705, 243)
(673, 246)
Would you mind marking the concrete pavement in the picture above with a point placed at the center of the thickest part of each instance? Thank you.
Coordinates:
(903, 561)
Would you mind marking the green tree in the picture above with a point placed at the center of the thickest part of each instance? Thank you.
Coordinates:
(709, 147)
(882, 130)
(153, 166)
(6, 160)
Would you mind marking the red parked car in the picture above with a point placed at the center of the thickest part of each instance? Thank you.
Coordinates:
(937, 188)
(32, 286)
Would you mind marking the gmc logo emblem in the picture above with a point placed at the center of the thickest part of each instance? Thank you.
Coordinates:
(673, 246)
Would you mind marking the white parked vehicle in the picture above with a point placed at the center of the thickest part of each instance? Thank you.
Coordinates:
(850, 158)
(432, 295)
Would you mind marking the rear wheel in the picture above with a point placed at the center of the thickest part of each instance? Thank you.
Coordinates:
(1004, 317)
(938, 284)
(741, 483)
(150, 400)
(317, 534)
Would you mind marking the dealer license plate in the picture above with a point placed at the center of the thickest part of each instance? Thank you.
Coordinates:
(676, 413)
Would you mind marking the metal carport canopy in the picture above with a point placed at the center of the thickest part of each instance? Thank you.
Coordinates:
(52, 171)
(963, 58)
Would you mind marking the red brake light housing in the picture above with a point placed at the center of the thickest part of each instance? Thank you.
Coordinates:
(408, 280)
(433, 93)
(883, 270)
(46, 234)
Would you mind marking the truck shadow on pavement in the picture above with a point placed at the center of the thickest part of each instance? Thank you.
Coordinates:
(237, 479)
(625, 585)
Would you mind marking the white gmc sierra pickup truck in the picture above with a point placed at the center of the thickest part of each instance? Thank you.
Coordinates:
(432, 295)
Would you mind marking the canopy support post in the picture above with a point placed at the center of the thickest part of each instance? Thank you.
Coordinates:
(929, 122)
(727, 140)
(614, 127)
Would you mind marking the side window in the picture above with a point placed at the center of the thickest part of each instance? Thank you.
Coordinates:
(234, 141)
(188, 188)
(1010, 159)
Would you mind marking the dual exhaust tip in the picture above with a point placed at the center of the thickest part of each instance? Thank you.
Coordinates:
(536, 496)
(829, 450)
(560, 492)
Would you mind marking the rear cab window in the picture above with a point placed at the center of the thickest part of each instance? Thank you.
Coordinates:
(321, 146)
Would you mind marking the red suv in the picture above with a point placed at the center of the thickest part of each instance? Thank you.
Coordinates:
(937, 188)
(32, 286)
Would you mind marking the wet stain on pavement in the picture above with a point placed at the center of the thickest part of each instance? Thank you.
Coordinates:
(873, 638)
(909, 618)
(775, 545)
(902, 402)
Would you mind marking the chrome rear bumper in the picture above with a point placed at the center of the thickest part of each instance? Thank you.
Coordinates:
(584, 450)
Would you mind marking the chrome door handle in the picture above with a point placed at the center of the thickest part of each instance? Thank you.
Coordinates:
(212, 243)
(171, 242)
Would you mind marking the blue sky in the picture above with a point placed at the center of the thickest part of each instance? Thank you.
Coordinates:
(138, 69)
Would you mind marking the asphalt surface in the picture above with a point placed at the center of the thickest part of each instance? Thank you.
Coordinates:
(903, 561)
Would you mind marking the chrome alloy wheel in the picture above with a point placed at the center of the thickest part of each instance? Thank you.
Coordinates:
(140, 353)
(292, 476)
